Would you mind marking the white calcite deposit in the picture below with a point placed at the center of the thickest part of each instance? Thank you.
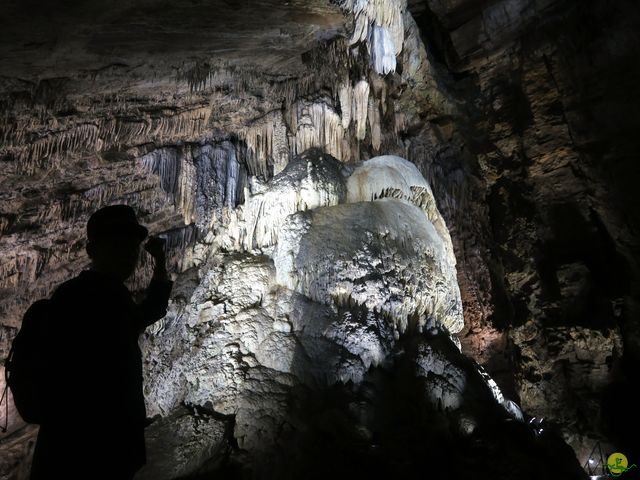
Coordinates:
(380, 24)
(312, 282)
(384, 255)
(315, 180)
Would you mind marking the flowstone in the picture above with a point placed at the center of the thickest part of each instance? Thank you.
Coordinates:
(328, 279)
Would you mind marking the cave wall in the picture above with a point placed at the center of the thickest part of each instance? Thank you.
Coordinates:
(518, 113)
(547, 247)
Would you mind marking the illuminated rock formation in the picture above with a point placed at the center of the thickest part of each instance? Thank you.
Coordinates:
(324, 286)
(318, 296)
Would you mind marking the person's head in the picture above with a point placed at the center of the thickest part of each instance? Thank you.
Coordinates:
(114, 237)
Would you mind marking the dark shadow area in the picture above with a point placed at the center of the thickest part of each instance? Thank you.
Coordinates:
(619, 418)
(582, 272)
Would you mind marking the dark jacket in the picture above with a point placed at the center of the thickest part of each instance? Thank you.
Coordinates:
(95, 413)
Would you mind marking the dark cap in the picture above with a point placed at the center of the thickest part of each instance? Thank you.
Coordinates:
(115, 220)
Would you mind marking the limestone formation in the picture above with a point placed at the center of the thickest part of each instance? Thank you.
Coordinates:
(323, 307)
(391, 223)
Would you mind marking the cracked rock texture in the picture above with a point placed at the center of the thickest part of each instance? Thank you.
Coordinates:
(322, 293)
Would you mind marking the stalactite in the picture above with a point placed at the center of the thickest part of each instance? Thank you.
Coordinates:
(217, 182)
(47, 150)
(19, 269)
(165, 163)
(346, 104)
(374, 124)
(361, 108)
(186, 198)
(320, 126)
(184, 125)
(379, 24)
(400, 122)
(383, 54)
(200, 179)
(179, 238)
(14, 130)
(197, 76)
(79, 205)
(267, 143)
(5, 222)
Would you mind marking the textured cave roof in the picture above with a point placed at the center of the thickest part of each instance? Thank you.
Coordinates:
(154, 39)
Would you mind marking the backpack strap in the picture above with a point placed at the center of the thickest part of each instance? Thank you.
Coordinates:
(5, 393)
(6, 412)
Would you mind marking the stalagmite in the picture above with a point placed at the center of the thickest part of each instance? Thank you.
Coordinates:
(300, 298)
(315, 257)
(390, 176)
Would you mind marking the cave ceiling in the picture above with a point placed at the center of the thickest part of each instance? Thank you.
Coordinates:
(152, 41)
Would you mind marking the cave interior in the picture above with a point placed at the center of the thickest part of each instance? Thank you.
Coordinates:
(402, 233)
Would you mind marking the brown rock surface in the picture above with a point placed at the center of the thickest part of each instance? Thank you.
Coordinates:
(549, 243)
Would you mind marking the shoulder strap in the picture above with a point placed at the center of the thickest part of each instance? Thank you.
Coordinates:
(5, 393)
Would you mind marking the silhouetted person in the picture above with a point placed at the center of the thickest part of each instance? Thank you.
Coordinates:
(95, 415)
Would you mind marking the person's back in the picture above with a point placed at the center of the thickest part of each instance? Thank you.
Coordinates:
(94, 417)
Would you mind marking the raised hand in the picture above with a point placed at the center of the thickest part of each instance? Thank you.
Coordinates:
(156, 246)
